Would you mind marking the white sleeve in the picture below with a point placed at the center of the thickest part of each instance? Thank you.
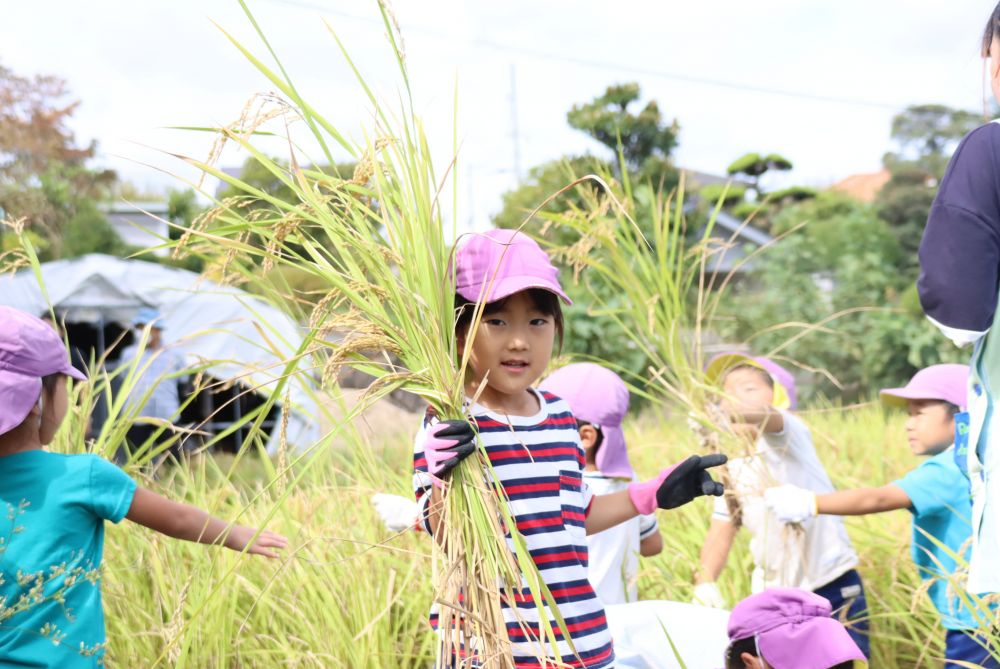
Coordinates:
(720, 510)
(648, 526)
(588, 496)
(794, 434)
(959, 337)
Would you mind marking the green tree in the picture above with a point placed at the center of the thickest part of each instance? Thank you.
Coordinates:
(842, 262)
(182, 210)
(44, 177)
(925, 137)
(754, 166)
(644, 139)
(544, 181)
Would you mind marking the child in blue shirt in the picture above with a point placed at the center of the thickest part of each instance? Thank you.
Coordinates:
(53, 507)
(936, 493)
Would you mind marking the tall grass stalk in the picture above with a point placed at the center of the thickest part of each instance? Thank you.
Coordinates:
(665, 294)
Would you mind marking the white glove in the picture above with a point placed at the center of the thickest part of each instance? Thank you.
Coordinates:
(707, 594)
(398, 513)
(790, 503)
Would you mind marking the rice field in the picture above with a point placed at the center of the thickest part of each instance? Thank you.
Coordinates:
(349, 594)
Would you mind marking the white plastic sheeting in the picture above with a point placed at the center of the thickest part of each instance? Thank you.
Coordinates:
(641, 629)
(240, 336)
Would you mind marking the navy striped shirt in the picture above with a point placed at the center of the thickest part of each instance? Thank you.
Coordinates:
(538, 461)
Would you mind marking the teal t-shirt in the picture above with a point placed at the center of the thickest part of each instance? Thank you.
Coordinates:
(942, 507)
(52, 513)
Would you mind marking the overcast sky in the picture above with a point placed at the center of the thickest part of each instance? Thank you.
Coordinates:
(817, 80)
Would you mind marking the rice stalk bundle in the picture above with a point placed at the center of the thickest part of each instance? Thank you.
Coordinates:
(375, 241)
(666, 292)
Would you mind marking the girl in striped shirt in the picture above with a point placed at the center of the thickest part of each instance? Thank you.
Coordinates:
(534, 448)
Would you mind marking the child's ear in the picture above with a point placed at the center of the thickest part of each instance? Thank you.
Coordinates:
(588, 437)
(751, 662)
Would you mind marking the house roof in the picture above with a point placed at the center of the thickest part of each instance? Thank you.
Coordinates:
(733, 256)
(742, 229)
(702, 179)
(863, 187)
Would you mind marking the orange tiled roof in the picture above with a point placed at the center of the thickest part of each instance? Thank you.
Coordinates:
(862, 187)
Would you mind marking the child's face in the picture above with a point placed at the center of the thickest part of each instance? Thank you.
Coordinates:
(512, 347)
(746, 388)
(994, 68)
(54, 408)
(930, 428)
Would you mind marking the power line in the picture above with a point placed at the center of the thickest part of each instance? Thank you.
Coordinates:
(603, 65)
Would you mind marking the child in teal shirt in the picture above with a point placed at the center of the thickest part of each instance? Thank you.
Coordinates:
(53, 507)
(936, 493)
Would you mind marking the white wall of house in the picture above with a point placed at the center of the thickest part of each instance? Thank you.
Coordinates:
(141, 224)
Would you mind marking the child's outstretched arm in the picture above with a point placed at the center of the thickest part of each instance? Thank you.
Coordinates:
(752, 419)
(862, 501)
(182, 521)
(675, 486)
(792, 504)
(714, 554)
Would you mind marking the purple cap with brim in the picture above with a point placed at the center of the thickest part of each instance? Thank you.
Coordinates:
(597, 396)
(29, 350)
(793, 630)
(948, 383)
(490, 266)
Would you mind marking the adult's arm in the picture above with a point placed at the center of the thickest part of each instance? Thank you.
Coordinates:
(960, 249)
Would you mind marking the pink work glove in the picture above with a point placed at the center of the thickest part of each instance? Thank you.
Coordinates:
(447, 443)
(677, 485)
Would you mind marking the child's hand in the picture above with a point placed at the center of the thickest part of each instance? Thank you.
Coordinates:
(790, 503)
(397, 513)
(707, 594)
(448, 443)
(677, 485)
(240, 537)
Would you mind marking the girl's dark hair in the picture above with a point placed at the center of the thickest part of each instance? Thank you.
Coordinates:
(952, 408)
(992, 30)
(546, 302)
(762, 373)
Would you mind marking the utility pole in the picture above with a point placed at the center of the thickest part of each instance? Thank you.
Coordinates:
(515, 132)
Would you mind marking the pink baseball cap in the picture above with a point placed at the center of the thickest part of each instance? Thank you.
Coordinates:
(949, 383)
(597, 396)
(29, 350)
(784, 383)
(793, 630)
(496, 264)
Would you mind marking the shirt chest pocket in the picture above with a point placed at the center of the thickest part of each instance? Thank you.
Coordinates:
(571, 502)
